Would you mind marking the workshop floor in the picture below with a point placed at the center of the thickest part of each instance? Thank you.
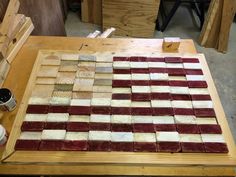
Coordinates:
(222, 66)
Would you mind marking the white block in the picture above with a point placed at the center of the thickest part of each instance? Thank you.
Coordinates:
(121, 76)
(141, 89)
(163, 120)
(198, 91)
(60, 101)
(122, 137)
(76, 136)
(193, 138)
(121, 65)
(141, 104)
(121, 119)
(121, 90)
(101, 102)
(213, 138)
(120, 103)
(100, 135)
(182, 119)
(79, 118)
(160, 89)
(159, 76)
(39, 101)
(209, 121)
(30, 135)
(53, 134)
(179, 90)
(35, 117)
(195, 77)
(139, 64)
(57, 117)
(142, 119)
(192, 66)
(177, 78)
(174, 65)
(70, 57)
(161, 103)
(144, 137)
(140, 76)
(167, 136)
(100, 118)
(80, 102)
(181, 104)
(156, 64)
(202, 104)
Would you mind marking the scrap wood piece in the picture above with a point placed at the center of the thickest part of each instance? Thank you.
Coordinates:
(4, 41)
(10, 14)
(19, 40)
(107, 33)
(4, 69)
(171, 44)
(94, 34)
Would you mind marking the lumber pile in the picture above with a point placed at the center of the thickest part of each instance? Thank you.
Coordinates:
(216, 28)
(14, 30)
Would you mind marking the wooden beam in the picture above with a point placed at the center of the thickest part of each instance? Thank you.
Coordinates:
(4, 69)
(4, 41)
(107, 33)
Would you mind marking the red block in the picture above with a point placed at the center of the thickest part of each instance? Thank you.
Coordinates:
(121, 96)
(122, 146)
(200, 97)
(121, 59)
(77, 126)
(121, 71)
(75, 145)
(157, 70)
(160, 96)
(160, 83)
(204, 112)
(192, 147)
(190, 60)
(138, 59)
(99, 145)
(165, 127)
(155, 59)
(58, 109)
(143, 128)
(37, 109)
(51, 145)
(101, 110)
(193, 72)
(141, 96)
(121, 83)
(140, 70)
(183, 111)
(145, 147)
(178, 83)
(27, 145)
(169, 146)
(162, 112)
(188, 128)
(180, 97)
(173, 60)
(197, 84)
(140, 82)
(121, 127)
(216, 147)
(55, 125)
(210, 129)
(99, 126)
(176, 71)
(32, 126)
(141, 111)
(121, 110)
(79, 110)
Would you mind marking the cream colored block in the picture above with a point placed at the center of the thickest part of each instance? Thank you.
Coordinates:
(121, 119)
(76, 136)
(141, 89)
(87, 64)
(100, 135)
(121, 90)
(161, 103)
(60, 101)
(144, 137)
(121, 76)
(53, 134)
(102, 89)
(102, 95)
(142, 119)
(182, 119)
(103, 76)
(198, 91)
(121, 65)
(101, 102)
(100, 118)
(88, 58)
(79, 118)
(122, 137)
(206, 120)
(139, 64)
(38, 101)
(156, 64)
(202, 104)
(141, 104)
(120, 103)
(192, 138)
(160, 89)
(140, 76)
(57, 117)
(167, 136)
(74, 57)
(192, 66)
(212, 138)
(159, 76)
(35, 117)
(181, 104)
(163, 120)
(177, 78)
(30, 136)
(80, 102)
(195, 77)
(179, 90)
(174, 65)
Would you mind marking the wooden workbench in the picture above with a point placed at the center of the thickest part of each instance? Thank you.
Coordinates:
(17, 81)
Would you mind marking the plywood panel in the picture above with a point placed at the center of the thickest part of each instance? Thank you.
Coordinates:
(134, 18)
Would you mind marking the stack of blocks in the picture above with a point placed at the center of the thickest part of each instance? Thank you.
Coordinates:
(139, 104)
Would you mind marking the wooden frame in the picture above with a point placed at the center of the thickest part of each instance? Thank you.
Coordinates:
(123, 159)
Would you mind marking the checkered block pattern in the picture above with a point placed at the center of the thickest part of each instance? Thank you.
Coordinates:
(131, 104)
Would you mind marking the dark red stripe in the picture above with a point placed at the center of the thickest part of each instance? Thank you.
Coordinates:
(55, 125)
(101, 110)
(121, 96)
(29, 145)
(75, 145)
(197, 84)
(77, 126)
(145, 147)
(188, 128)
(138, 59)
(58, 109)
(210, 129)
(140, 82)
(201, 97)
(216, 147)
(190, 60)
(121, 110)
(37, 109)
(165, 127)
(192, 147)
(176, 71)
(140, 70)
(122, 146)
(169, 146)
(180, 97)
(183, 111)
(204, 112)
(143, 128)
(141, 111)
(99, 145)
(121, 127)
(121, 71)
(141, 96)
(178, 83)
(193, 72)
(51, 145)
(155, 59)
(32, 126)
(121, 59)
(159, 83)
(160, 96)
(162, 112)
(173, 60)
(157, 70)
(79, 110)
(121, 83)
(99, 126)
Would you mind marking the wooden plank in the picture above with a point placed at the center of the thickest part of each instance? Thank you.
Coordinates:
(134, 18)
(91, 11)
(4, 41)
(4, 69)
(229, 10)
(107, 33)
(19, 40)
